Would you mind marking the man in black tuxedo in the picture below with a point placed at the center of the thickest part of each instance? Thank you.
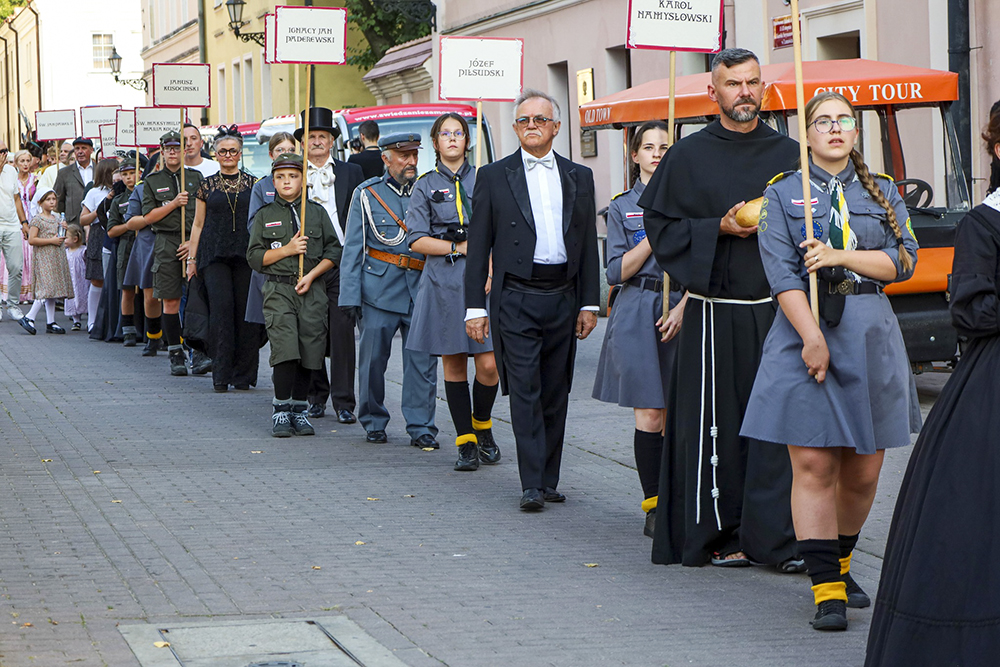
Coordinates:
(534, 211)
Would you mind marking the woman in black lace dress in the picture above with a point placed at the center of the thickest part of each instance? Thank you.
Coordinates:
(217, 252)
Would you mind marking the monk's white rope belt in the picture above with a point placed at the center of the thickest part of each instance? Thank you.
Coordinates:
(708, 313)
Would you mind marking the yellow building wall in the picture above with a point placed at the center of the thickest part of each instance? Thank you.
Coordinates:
(277, 89)
(18, 89)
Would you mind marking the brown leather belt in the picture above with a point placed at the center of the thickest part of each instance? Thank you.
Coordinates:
(402, 261)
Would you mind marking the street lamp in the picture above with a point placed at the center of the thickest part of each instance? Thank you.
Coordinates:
(235, 9)
(115, 60)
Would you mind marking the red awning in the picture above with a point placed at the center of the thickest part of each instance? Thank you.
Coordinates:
(867, 83)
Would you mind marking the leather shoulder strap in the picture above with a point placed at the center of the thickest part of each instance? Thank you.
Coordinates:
(387, 209)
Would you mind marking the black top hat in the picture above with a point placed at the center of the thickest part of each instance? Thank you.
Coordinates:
(320, 118)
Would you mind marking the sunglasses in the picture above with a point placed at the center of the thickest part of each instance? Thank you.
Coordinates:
(539, 121)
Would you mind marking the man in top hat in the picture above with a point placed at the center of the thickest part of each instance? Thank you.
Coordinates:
(378, 282)
(72, 183)
(331, 184)
(162, 200)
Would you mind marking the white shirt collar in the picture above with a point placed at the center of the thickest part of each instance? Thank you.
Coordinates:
(525, 155)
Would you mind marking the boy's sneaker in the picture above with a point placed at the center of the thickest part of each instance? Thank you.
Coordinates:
(489, 453)
(129, 340)
(468, 457)
(300, 422)
(831, 615)
(856, 596)
(177, 365)
(281, 421)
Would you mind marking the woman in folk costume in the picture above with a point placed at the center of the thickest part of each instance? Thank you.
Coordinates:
(938, 603)
(637, 358)
(840, 392)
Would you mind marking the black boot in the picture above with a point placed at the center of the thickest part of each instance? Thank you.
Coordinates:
(468, 453)
(177, 365)
(151, 348)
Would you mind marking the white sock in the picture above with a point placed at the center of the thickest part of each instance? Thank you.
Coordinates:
(36, 307)
(93, 299)
(50, 311)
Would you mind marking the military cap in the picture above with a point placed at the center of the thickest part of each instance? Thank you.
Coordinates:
(401, 141)
(171, 138)
(287, 161)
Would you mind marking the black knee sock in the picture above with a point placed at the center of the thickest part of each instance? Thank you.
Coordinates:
(460, 406)
(822, 557)
(300, 388)
(847, 544)
(483, 398)
(153, 330)
(172, 328)
(648, 454)
(283, 376)
(128, 321)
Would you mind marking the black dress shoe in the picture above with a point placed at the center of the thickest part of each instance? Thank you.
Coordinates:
(426, 441)
(553, 496)
(489, 453)
(346, 417)
(376, 436)
(220, 388)
(468, 457)
(54, 328)
(242, 387)
(316, 411)
(532, 500)
(27, 325)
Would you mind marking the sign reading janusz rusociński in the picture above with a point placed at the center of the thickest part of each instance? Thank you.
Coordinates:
(182, 85)
(316, 35)
(481, 68)
(675, 25)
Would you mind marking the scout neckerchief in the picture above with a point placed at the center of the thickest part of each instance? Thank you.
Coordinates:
(462, 202)
(842, 237)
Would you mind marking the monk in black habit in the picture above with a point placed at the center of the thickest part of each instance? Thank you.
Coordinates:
(723, 499)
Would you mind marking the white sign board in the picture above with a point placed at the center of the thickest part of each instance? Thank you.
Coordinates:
(125, 128)
(108, 143)
(675, 25)
(316, 35)
(91, 119)
(481, 68)
(182, 85)
(269, 39)
(55, 125)
(151, 123)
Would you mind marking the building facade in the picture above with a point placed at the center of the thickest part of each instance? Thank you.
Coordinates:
(56, 57)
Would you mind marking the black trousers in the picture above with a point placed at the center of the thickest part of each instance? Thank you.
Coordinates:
(234, 343)
(538, 346)
(339, 385)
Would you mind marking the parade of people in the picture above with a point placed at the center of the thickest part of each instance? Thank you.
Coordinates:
(771, 232)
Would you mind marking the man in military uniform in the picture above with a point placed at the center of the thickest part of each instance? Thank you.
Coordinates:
(295, 309)
(378, 282)
(162, 201)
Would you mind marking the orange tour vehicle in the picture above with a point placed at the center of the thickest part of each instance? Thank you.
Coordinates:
(907, 133)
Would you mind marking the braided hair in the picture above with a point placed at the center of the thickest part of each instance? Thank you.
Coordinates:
(865, 177)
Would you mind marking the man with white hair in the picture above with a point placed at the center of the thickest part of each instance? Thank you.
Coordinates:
(534, 212)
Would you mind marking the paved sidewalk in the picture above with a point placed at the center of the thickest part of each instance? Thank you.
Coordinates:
(128, 496)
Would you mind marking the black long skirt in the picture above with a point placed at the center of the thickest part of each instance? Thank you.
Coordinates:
(939, 598)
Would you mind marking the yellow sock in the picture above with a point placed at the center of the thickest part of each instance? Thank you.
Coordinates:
(468, 437)
(835, 590)
(481, 426)
(845, 564)
(155, 336)
(649, 504)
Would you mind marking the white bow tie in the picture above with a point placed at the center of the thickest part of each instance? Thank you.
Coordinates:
(320, 182)
(549, 161)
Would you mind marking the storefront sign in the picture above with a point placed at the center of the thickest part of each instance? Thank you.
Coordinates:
(316, 35)
(181, 85)
(675, 25)
(481, 68)
(782, 26)
(91, 119)
(55, 125)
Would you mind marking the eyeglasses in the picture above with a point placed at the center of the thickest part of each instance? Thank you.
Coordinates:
(457, 134)
(539, 121)
(171, 149)
(824, 125)
(228, 151)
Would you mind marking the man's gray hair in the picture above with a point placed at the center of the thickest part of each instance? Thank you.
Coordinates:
(732, 57)
(531, 93)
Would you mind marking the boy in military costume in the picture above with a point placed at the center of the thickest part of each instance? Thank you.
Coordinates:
(295, 314)
(162, 201)
(117, 214)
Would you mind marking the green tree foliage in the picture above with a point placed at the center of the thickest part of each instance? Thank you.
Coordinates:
(382, 29)
(8, 7)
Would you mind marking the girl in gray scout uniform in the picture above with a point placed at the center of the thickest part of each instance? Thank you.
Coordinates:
(295, 310)
(139, 270)
(637, 358)
(854, 395)
(437, 222)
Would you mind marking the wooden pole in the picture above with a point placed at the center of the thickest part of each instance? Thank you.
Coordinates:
(670, 142)
(305, 164)
(800, 103)
(479, 134)
(182, 187)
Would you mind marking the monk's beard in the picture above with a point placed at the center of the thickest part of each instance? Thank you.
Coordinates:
(742, 116)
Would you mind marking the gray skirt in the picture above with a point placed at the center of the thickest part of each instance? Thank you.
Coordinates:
(139, 272)
(438, 323)
(635, 368)
(868, 401)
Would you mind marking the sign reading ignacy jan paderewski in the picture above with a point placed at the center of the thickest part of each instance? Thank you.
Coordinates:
(55, 125)
(312, 35)
(481, 68)
(675, 25)
(125, 128)
(91, 119)
(151, 123)
(181, 85)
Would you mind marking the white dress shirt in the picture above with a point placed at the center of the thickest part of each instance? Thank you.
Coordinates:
(321, 181)
(86, 173)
